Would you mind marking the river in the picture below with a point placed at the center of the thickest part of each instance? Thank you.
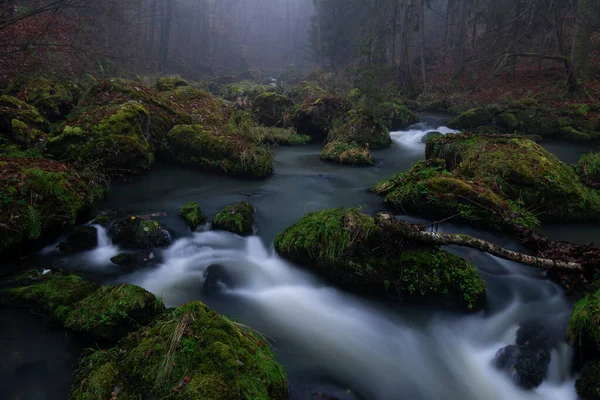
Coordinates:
(330, 341)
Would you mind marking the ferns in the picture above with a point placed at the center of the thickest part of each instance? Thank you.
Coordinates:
(33, 222)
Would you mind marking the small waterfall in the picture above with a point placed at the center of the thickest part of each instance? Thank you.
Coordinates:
(411, 138)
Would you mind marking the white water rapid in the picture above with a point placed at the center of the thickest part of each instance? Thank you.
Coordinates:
(379, 353)
(411, 138)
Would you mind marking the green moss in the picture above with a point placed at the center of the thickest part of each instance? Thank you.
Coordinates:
(269, 109)
(168, 83)
(362, 130)
(247, 90)
(190, 351)
(192, 214)
(588, 168)
(286, 137)
(113, 311)
(472, 118)
(346, 154)
(584, 325)
(588, 383)
(26, 135)
(54, 99)
(396, 116)
(194, 145)
(237, 218)
(353, 250)
(521, 171)
(317, 117)
(571, 134)
(508, 122)
(20, 122)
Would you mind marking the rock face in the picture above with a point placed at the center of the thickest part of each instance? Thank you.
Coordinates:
(191, 352)
(118, 139)
(81, 239)
(138, 233)
(347, 154)
(236, 218)
(269, 108)
(528, 361)
(362, 130)
(363, 254)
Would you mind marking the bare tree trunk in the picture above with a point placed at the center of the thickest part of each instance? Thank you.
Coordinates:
(394, 33)
(580, 50)
(405, 230)
(422, 42)
(462, 33)
(446, 28)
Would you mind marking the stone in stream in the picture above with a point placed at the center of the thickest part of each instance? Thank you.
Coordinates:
(139, 233)
(81, 239)
(430, 135)
(236, 218)
(528, 361)
(192, 214)
(215, 277)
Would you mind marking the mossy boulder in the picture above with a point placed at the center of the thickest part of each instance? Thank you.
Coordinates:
(429, 189)
(237, 218)
(583, 331)
(116, 137)
(364, 254)
(139, 233)
(508, 122)
(472, 118)
(21, 123)
(280, 136)
(192, 214)
(53, 98)
(243, 93)
(431, 135)
(202, 107)
(269, 109)
(347, 154)
(397, 117)
(191, 353)
(316, 117)
(40, 198)
(104, 312)
(168, 83)
(588, 169)
(588, 383)
(82, 238)
(126, 259)
(205, 148)
(360, 129)
(521, 171)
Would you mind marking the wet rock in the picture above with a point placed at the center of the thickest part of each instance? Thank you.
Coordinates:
(192, 214)
(430, 135)
(126, 259)
(81, 239)
(139, 233)
(528, 361)
(236, 218)
(216, 278)
(472, 118)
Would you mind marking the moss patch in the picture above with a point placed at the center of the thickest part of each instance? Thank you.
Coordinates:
(588, 169)
(362, 130)
(584, 327)
(472, 118)
(353, 250)
(192, 214)
(190, 352)
(286, 137)
(21, 123)
(53, 98)
(346, 154)
(396, 116)
(168, 83)
(237, 218)
(139, 233)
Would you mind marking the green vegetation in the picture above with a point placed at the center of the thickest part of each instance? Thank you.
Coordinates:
(21, 123)
(269, 108)
(168, 83)
(588, 169)
(360, 129)
(584, 325)
(54, 99)
(472, 118)
(346, 154)
(286, 137)
(237, 218)
(356, 252)
(190, 352)
(396, 116)
(192, 214)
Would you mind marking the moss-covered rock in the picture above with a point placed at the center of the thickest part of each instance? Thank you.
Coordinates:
(429, 189)
(201, 147)
(237, 218)
(269, 109)
(430, 135)
(588, 168)
(472, 118)
(347, 154)
(360, 129)
(280, 136)
(508, 122)
(126, 259)
(244, 92)
(116, 137)
(105, 312)
(357, 252)
(139, 233)
(519, 170)
(316, 117)
(21, 123)
(203, 107)
(53, 98)
(588, 383)
(584, 328)
(190, 352)
(397, 116)
(40, 198)
(168, 83)
(192, 214)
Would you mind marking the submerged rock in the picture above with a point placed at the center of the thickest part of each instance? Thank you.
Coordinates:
(237, 218)
(347, 154)
(191, 353)
(139, 233)
(528, 361)
(81, 239)
(364, 254)
(192, 214)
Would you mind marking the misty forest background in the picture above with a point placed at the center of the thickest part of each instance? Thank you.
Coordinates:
(424, 43)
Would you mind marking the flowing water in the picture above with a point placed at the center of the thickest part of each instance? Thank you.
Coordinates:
(330, 341)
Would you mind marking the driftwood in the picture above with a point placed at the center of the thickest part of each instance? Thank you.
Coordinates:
(416, 232)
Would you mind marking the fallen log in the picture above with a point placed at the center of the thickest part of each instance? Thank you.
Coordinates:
(418, 233)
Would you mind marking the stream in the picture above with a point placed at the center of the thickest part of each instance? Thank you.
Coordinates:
(329, 341)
